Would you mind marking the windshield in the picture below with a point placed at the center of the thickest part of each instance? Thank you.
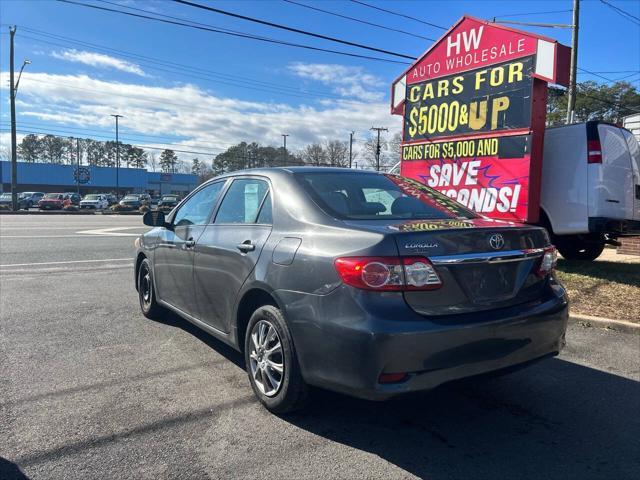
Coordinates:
(130, 197)
(92, 197)
(170, 199)
(52, 195)
(5, 196)
(364, 196)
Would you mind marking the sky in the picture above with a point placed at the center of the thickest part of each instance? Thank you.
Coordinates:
(200, 92)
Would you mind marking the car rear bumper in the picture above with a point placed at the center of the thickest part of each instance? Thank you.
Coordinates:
(346, 339)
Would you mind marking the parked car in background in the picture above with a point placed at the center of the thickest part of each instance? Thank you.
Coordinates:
(53, 201)
(74, 198)
(111, 198)
(23, 203)
(133, 201)
(94, 201)
(30, 199)
(590, 187)
(167, 202)
(368, 284)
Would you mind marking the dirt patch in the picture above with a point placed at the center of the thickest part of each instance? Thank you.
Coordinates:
(602, 288)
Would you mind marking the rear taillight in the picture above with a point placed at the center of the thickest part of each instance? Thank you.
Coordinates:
(594, 151)
(547, 262)
(388, 273)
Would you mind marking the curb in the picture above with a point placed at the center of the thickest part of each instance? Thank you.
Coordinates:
(607, 323)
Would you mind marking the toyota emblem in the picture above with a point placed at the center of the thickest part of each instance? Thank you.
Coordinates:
(496, 241)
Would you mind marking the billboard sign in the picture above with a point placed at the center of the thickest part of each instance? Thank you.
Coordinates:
(474, 108)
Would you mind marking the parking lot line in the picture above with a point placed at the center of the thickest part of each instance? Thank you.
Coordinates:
(128, 259)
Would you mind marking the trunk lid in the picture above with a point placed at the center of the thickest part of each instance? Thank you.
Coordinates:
(483, 264)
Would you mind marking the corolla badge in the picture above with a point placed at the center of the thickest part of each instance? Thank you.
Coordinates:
(419, 245)
(496, 241)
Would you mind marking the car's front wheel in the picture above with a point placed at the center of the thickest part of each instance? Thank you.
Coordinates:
(272, 363)
(146, 291)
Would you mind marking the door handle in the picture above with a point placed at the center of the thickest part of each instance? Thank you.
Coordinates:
(246, 246)
(190, 243)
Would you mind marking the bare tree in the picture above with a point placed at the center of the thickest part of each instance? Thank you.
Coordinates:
(337, 153)
(314, 154)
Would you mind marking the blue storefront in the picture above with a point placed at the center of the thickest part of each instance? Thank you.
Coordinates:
(47, 177)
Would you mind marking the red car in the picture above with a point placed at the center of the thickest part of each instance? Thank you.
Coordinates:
(53, 201)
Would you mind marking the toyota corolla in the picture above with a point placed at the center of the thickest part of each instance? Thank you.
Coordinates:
(368, 284)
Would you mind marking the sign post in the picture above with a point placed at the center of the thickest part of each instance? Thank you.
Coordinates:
(474, 109)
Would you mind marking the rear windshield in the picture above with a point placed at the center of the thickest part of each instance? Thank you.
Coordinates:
(363, 196)
(92, 197)
(131, 197)
(169, 199)
(53, 195)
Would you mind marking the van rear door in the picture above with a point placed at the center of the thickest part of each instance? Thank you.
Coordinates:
(611, 178)
(634, 151)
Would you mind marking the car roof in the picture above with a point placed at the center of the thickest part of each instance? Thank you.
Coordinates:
(269, 171)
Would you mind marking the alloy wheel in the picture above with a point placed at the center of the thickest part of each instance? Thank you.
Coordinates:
(145, 286)
(266, 358)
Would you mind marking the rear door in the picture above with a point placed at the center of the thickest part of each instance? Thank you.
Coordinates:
(228, 250)
(612, 180)
(634, 151)
(174, 254)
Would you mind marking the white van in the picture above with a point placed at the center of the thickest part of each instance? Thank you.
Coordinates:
(590, 187)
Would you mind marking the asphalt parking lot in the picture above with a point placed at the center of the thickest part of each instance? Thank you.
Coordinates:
(89, 388)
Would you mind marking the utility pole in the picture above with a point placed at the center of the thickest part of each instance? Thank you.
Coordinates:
(351, 147)
(378, 129)
(78, 162)
(284, 136)
(116, 116)
(14, 157)
(13, 90)
(571, 100)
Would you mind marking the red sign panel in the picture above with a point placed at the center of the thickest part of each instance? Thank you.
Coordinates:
(470, 45)
(474, 109)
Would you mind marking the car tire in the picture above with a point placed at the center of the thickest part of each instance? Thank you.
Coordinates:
(580, 249)
(147, 292)
(280, 392)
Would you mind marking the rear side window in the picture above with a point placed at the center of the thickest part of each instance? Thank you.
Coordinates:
(366, 196)
(242, 201)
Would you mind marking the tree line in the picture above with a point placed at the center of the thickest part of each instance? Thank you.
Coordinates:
(66, 150)
(87, 151)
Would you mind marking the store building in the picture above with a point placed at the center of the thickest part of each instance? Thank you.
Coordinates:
(48, 177)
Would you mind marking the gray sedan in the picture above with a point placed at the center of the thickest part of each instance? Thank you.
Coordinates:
(368, 284)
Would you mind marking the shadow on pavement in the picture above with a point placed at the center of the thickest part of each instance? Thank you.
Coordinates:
(173, 320)
(553, 420)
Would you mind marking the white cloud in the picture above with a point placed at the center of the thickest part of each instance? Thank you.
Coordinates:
(195, 115)
(352, 82)
(98, 60)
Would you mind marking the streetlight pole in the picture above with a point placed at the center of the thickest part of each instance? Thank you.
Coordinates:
(351, 147)
(284, 136)
(13, 90)
(571, 100)
(116, 116)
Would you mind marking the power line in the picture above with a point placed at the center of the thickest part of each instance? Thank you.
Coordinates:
(133, 137)
(622, 13)
(150, 147)
(347, 17)
(292, 29)
(234, 34)
(531, 13)
(248, 83)
(399, 14)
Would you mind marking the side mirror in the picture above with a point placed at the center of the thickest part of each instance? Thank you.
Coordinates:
(154, 218)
